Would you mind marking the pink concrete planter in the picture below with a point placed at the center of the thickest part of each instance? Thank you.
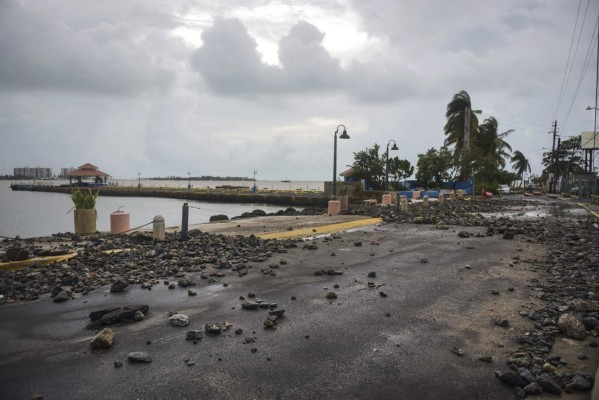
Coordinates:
(119, 222)
(334, 207)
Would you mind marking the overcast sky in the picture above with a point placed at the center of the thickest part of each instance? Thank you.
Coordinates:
(228, 87)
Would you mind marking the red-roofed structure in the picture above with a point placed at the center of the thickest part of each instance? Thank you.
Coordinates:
(88, 171)
(347, 173)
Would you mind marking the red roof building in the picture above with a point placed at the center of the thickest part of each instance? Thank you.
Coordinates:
(88, 171)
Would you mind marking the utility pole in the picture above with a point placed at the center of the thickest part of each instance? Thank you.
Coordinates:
(556, 169)
(552, 182)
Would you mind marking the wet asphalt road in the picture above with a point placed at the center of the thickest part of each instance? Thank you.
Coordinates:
(323, 349)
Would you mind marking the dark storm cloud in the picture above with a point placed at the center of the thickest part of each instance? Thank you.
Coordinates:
(39, 52)
(231, 65)
(230, 62)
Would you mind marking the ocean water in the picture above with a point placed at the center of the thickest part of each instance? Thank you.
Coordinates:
(32, 214)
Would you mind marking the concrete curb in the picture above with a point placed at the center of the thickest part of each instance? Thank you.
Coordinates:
(596, 215)
(595, 391)
(320, 230)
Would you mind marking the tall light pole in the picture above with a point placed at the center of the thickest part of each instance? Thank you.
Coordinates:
(139, 180)
(343, 135)
(592, 161)
(387, 164)
(188, 180)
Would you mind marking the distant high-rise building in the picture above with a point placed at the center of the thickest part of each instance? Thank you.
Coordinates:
(65, 171)
(35, 172)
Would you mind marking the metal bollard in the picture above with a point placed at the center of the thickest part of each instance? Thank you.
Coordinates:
(185, 222)
(158, 228)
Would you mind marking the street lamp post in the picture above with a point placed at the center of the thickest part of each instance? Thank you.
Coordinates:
(188, 180)
(139, 180)
(387, 164)
(595, 109)
(343, 135)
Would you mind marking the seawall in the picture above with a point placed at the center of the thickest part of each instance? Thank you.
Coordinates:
(213, 196)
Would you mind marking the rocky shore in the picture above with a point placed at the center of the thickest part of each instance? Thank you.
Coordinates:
(566, 276)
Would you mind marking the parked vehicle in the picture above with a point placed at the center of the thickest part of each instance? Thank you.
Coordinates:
(504, 189)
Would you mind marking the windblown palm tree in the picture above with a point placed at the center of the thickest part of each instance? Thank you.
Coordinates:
(520, 164)
(456, 116)
(461, 118)
(491, 143)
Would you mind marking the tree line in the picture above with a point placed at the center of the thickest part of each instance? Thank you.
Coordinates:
(470, 149)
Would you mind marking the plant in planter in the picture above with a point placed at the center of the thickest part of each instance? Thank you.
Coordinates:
(85, 210)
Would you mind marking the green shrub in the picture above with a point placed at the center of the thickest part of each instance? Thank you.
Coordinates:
(84, 198)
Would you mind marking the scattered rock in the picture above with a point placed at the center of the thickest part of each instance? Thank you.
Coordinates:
(579, 384)
(510, 378)
(139, 357)
(214, 327)
(16, 253)
(194, 335)
(533, 388)
(331, 295)
(103, 340)
(250, 305)
(458, 352)
(572, 326)
(179, 320)
(62, 296)
(549, 385)
(118, 286)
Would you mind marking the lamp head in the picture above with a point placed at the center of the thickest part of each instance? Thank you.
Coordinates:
(394, 146)
(588, 108)
(344, 135)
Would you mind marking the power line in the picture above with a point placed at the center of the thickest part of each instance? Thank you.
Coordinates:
(583, 71)
(563, 88)
(576, 49)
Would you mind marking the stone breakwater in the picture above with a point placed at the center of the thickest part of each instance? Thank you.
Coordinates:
(213, 196)
(135, 260)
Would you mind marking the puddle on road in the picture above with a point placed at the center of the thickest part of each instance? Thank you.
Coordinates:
(535, 212)
(520, 213)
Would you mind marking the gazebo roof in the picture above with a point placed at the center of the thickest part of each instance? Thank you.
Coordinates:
(87, 170)
(347, 172)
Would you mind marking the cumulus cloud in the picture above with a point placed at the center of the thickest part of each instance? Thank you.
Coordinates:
(40, 52)
(231, 65)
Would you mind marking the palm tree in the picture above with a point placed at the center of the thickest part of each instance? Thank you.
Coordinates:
(520, 164)
(491, 143)
(458, 111)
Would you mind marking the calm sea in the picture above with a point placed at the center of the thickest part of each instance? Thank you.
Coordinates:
(31, 214)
